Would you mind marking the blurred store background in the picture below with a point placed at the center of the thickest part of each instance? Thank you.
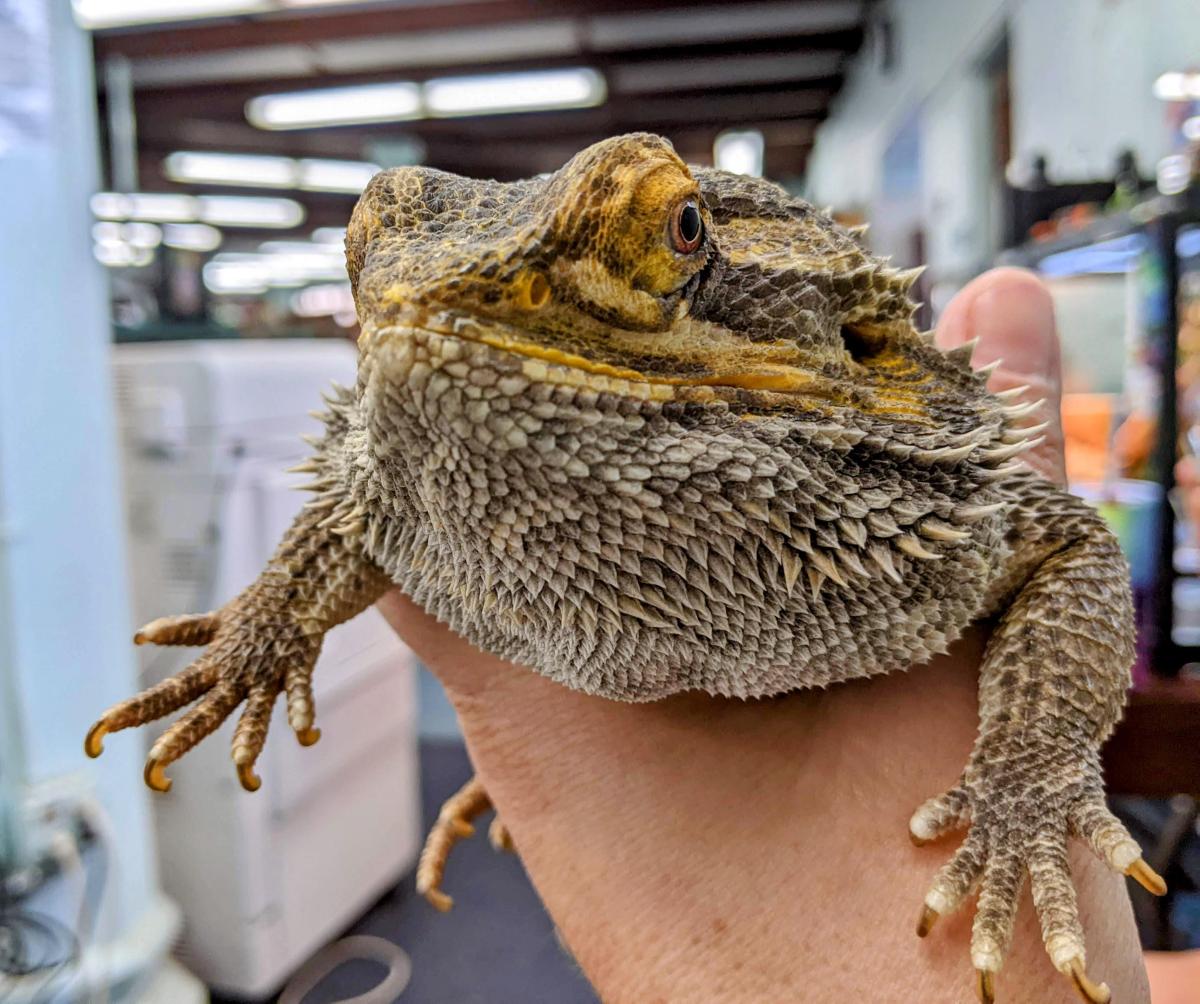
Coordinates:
(175, 178)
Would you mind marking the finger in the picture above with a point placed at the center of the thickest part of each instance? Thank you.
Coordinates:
(1011, 312)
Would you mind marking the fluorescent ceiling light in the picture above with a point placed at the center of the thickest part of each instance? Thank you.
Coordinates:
(497, 93)
(330, 235)
(443, 97)
(193, 167)
(1178, 87)
(119, 13)
(256, 171)
(115, 13)
(235, 278)
(250, 211)
(740, 152)
(191, 236)
(280, 265)
(139, 235)
(153, 207)
(122, 255)
(349, 176)
(217, 210)
(336, 106)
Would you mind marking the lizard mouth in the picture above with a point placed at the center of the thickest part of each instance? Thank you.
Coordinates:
(734, 367)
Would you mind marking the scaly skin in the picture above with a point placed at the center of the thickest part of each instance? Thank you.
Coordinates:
(639, 467)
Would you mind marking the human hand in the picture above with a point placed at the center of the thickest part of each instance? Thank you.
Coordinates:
(699, 849)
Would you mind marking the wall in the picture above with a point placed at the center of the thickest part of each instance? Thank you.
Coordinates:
(64, 651)
(1082, 73)
(1081, 78)
(934, 41)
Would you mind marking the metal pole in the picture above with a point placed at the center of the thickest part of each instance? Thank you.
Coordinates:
(122, 124)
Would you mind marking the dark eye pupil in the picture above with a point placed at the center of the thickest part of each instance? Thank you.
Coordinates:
(689, 223)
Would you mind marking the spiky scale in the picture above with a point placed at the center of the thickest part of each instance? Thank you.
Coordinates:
(961, 355)
(1015, 411)
(911, 546)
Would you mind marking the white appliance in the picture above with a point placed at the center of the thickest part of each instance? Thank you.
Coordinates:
(263, 879)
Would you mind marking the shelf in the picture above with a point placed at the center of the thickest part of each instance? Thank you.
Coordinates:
(1155, 751)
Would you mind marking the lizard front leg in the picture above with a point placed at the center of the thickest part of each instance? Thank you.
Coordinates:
(1052, 686)
(262, 643)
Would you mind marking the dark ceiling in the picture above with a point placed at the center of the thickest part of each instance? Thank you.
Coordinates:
(685, 70)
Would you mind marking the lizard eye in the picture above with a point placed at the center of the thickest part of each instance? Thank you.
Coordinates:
(687, 228)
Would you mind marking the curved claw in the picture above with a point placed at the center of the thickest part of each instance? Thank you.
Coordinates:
(499, 837)
(249, 780)
(986, 986)
(1095, 993)
(93, 743)
(926, 921)
(436, 898)
(155, 777)
(307, 737)
(1147, 877)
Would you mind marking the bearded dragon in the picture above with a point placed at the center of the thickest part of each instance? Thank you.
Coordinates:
(645, 428)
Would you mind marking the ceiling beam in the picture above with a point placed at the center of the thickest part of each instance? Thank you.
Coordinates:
(262, 69)
(607, 24)
(165, 124)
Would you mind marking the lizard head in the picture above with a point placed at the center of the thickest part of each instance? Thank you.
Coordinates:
(625, 265)
(606, 421)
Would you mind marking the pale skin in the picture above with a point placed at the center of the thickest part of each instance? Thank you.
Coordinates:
(701, 849)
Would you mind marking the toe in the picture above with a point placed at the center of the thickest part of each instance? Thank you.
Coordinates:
(939, 816)
(1000, 888)
(251, 735)
(164, 697)
(189, 629)
(953, 883)
(1112, 843)
(204, 719)
(1054, 900)
(301, 707)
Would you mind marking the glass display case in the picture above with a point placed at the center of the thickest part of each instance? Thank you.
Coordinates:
(1126, 290)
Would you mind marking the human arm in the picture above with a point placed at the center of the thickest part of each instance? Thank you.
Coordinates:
(703, 849)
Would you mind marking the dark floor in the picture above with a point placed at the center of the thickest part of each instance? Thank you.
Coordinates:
(497, 946)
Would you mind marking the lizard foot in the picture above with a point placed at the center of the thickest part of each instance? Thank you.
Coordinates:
(454, 824)
(254, 653)
(1020, 812)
